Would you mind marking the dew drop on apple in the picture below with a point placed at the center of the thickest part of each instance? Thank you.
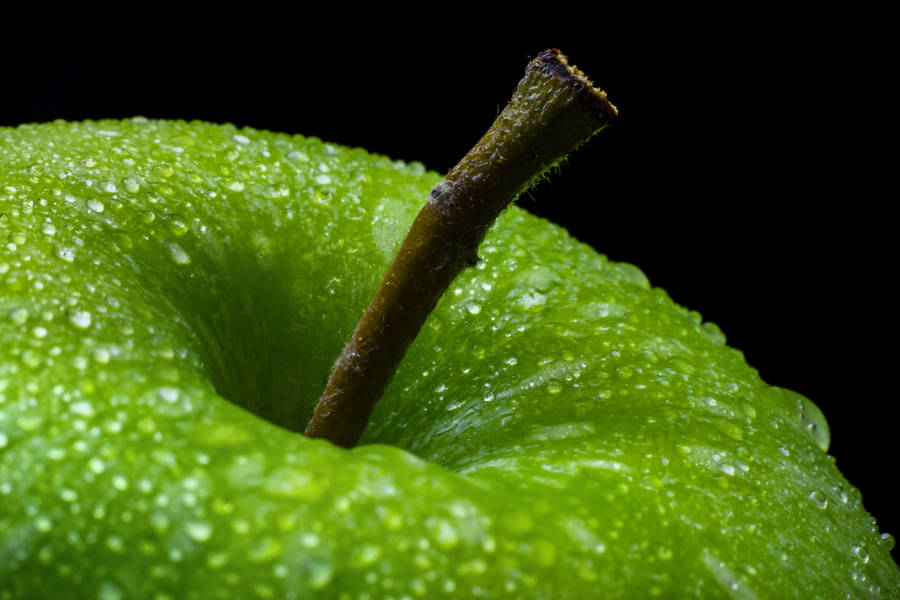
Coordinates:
(56, 453)
(19, 316)
(163, 170)
(473, 308)
(861, 552)
(199, 531)
(148, 216)
(264, 550)
(65, 253)
(819, 499)
(95, 205)
(81, 319)
(43, 524)
(109, 591)
(178, 254)
(553, 386)
(177, 224)
(442, 532)
(814, 423)
(216, 560)
(115, 544)
(122, 240)
(4, 440)
(131, 185)
(366, 555)
(82, 408)
(886, 539)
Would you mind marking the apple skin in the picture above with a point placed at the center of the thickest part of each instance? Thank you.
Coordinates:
(558, 429)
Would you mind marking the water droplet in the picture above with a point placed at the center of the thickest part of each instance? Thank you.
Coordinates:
(95, 205)
(861, 552)
(81, 319)
(109, 591)
(366, 555)
(265, 550)
(553, 386)
(115, 543)
(108, 186)
(814, 422)
(319, 570)
(163, 170)
(148, 216)
(819, 499)
(65, 253)
(43, 524)
(473, 308)
(4, 440)
(96, 465)
(442, 532)
(131, 185)
(102, 355)
(199, 531)
(236, 186)
(886, 538)
(82, 408)
(241, 139)
(19, 316)
(177, 224)
(178, 254)
(169, 394)
(323, 179)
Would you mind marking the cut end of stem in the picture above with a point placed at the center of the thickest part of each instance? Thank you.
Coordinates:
(555, 59)
(554, 109)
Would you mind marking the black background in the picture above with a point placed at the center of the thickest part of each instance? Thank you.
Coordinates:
(745, 175)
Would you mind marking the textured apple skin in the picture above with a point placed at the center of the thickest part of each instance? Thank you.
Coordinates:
(559, 429)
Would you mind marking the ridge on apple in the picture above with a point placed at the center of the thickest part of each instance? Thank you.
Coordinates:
(170, 291)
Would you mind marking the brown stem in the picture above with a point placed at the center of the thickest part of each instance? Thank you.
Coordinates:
(554, 109)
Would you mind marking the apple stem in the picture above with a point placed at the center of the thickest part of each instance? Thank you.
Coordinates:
(554, 109)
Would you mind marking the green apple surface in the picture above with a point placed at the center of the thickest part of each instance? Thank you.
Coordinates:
(172, 297)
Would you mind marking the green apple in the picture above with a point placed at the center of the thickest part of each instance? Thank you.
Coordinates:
(169, 293)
